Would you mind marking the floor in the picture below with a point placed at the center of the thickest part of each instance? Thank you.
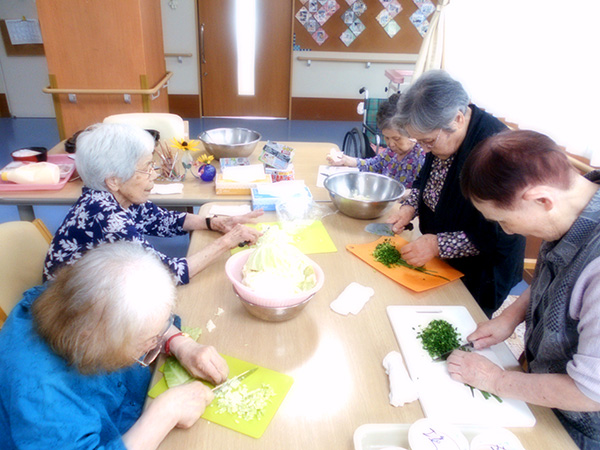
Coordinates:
(19, 133)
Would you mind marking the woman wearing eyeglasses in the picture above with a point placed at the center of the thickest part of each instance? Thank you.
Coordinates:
(115, 164)
(436, 112)
(75, 352)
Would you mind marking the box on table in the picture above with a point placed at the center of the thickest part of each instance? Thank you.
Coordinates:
(276, 155)
(231, 187)
(281, 174)
(267, 196)
(231, 162)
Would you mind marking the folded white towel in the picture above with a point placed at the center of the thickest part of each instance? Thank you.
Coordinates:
(166, 189)
(352, 299)
(402, 388)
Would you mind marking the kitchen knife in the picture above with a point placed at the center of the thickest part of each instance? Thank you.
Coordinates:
(384, 229)
(239, 377)
(465, 348)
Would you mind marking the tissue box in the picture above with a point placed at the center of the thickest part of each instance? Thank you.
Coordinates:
(276, 155)
(231, 187)
(281, 174)
(267, 196)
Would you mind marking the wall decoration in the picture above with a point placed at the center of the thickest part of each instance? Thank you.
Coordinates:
(380, 26)
(313, 15)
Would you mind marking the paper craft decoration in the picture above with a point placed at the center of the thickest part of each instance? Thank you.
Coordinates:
(383, 17)
(425, 6)
(357, 27)
(392, 28)
(419, 20)
(302, 15)
(314, 15)
(347, 37)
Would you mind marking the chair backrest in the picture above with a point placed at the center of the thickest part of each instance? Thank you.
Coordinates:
(168, 125)
(23, 246)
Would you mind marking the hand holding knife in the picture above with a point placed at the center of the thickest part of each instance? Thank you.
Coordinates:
(465, 348)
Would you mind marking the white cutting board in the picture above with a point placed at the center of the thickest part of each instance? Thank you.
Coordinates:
(441, 397)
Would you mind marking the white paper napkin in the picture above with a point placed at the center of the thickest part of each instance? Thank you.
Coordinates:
(352, 299)
(166, 189)
(402, 388)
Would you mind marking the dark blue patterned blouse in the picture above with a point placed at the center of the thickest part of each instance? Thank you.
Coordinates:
(97, 218)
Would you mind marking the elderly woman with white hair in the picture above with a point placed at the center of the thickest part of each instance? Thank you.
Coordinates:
(75, 355)
(116, 165)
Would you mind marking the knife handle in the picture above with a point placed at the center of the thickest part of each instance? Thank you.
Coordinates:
(409, 226)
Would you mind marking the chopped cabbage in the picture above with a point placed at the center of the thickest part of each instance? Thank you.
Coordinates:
(247, 405)
(278, 266)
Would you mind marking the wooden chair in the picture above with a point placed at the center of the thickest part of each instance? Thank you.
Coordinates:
(168, 125)
(23, 246)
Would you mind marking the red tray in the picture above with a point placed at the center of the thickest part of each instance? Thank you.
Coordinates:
(67, 168)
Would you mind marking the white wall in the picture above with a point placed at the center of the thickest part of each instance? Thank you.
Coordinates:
(24, 76)
(180, 36)
(344, 79)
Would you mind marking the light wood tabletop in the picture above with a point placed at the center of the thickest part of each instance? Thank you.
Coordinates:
(335, 360)
(308, 157)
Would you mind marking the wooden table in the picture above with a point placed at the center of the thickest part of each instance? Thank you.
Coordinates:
(336, 361)
(308, 157)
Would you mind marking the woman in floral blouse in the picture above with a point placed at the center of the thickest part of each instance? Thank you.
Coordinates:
(436, 111)
(401, 160)
(116, 166)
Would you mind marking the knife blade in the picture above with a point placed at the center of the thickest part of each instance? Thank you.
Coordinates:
(239, 377)
(465, 347)
(384, 229)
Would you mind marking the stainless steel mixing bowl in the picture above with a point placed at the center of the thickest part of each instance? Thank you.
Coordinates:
(363, 195)
(230, 142)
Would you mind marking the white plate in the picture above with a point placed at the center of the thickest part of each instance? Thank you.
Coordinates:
(379, 436)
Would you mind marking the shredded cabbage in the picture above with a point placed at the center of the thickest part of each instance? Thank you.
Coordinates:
(278, 266)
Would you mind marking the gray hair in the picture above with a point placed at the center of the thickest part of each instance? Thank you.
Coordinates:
(386, 114)
(96, 307)
(432, 103)
(110, 150)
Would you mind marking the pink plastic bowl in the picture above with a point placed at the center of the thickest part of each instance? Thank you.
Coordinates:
(233, 269)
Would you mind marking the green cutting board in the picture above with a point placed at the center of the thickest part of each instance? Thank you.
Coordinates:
(308, 236)
(279, 382)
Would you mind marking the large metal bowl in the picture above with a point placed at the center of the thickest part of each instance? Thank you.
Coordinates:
(230, 142)
(363, 195)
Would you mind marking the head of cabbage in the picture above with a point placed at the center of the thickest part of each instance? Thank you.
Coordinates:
(278, 267)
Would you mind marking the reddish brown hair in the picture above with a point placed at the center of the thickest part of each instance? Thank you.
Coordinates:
(501, 166)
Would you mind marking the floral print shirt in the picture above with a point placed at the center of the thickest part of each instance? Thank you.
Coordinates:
(452, 244)
(387, 163)
(97, 218)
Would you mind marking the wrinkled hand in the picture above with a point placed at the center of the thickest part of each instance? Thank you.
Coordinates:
(491, 332)
(421, 250)
(333, 161)
(401, 218)
(202, 361)
(186, 403)
(240, 234)
(225, 224)
(474, 370)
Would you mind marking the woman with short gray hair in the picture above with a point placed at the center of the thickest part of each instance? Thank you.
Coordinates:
(74, 364)
(116, 166)
(436, 112)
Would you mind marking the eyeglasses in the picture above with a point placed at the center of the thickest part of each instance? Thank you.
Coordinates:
(152, 169)
(429, 144)
(147, 358)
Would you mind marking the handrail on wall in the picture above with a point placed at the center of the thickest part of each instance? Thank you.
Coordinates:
(150, 91)
(179, 56)
(366, 61)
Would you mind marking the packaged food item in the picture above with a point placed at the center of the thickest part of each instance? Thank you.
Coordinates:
(276, 155)
(33, 173)
(277, 175)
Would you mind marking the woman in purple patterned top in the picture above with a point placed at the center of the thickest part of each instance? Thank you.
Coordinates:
(403, 158)
(116, 166)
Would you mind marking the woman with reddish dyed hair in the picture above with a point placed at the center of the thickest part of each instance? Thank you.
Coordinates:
(523, 181)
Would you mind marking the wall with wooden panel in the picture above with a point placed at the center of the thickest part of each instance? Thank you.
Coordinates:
(102, 44)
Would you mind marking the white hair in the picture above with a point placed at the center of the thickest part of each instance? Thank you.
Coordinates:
(96, 307)
(110, 150)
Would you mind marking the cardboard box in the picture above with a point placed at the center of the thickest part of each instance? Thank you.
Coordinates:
(276, 155)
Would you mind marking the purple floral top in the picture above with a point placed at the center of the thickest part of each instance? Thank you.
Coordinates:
(452, 244)
(387, 163)
(97, 218)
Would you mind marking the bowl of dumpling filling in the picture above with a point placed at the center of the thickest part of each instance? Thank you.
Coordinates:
(275, 280)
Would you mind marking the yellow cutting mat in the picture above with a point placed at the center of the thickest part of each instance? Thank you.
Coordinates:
(308, 236)
(279, 382)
